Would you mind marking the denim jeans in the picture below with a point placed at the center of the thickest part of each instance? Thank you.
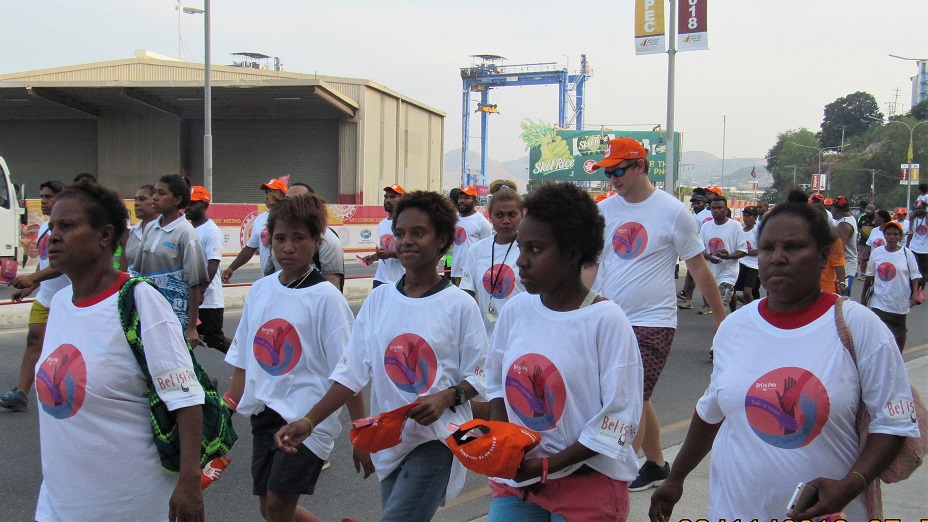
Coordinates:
(415, 489)
(507, 509)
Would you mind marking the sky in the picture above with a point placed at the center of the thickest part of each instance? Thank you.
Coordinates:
(771, 66)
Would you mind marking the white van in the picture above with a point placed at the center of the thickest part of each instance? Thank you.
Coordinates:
(10, 215)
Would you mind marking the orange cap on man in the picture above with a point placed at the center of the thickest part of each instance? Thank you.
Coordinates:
(198, 193)
(619, 150)
(275, 184)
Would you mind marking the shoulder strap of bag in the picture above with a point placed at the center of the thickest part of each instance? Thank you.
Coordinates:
(131, 322)
(844, 333)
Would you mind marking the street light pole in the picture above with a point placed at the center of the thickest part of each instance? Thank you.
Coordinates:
(820, 151)
(910, 156)
(207, 99)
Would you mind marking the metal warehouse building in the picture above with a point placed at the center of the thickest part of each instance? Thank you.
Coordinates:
(132, 121)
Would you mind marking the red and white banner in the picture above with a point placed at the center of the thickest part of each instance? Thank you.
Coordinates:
(649, 27)
(691, 25)
(819, 182)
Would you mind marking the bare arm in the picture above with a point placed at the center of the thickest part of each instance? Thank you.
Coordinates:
(187, 500)
(194, 298)
(212, 266)
(707, 286)
(498, 410)
(833, 495)
(243, 257)
(237, 385)
(698, 442)
(294, 433)
(27, 281)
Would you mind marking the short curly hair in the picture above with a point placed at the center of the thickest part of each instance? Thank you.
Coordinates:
(441, 211)
(308, 209)
(103, 207)
(573, 217)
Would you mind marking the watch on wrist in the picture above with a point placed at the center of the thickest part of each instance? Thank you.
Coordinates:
(460, 396)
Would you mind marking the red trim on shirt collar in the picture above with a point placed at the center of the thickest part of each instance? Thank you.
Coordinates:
(90, 301)
(799, 318)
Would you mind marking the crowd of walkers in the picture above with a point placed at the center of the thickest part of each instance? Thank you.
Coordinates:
(555, 324)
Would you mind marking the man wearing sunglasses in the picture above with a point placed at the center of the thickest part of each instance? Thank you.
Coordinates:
(646, 231)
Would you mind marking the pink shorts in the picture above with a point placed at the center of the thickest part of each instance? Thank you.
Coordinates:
(571, 496)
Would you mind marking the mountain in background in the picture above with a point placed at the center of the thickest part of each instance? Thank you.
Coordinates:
(697, 168)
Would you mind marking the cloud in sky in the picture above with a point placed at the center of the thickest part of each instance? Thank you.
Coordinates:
(770, 67)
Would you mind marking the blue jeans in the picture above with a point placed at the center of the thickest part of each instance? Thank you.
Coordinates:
(850, 283)
(415, 489)
(506, 509)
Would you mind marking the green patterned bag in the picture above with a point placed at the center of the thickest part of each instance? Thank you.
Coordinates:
(218, 433)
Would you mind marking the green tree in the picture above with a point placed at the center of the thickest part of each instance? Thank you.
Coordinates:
(851, 115)
(920, 110)
(790, 162)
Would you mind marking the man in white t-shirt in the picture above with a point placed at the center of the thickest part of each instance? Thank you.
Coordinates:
(48, 282)
(275, 191)
(725, 245)
(212, 240)
(647, 230)
(701, 214)
(389, 270)
(748, 282)
(847, 233)
(471, 227)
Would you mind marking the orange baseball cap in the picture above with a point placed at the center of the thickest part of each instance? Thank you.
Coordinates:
(619, 150)
(470, 190)
(900, 211)
(275, 184)
(715, 190)
(498, 452)
(384, 432)
(829, 202)
(395, 188)
(198, 193)
(816, 197)
(894, 224)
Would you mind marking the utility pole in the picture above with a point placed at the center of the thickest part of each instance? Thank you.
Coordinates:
(873, 186)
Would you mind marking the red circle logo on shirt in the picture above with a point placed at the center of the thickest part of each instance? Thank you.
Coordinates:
(61, 382)
(878, 242)
(505, 279)
(629, 240)
(460, 235)
(886, 271)
(535, 391)
(787, 407)
(716, 244)
(921, 229)
(277, 347)
(410, 363)
(388, 242)
(245, 230)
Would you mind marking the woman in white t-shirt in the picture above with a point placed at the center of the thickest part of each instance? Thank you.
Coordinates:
(99, 460)
(293, 331)
(564, 362)
(781, 408)
(893, 272)
(490, 268)
(417, 340)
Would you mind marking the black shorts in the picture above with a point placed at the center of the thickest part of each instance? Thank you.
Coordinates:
(895, 322)
(747, 278)
(210, 328)
(275, 470)
(922, 261)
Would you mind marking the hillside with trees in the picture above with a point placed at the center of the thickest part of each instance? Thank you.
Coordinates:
(867, 165)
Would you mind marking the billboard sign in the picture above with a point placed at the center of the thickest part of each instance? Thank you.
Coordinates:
(649, 26)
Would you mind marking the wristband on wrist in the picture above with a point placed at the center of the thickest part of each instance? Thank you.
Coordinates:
(862, 477)
(544, 470)
(312, 426)
(229, 402)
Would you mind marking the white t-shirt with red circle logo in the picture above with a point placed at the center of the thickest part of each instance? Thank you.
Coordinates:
(643, 242)
(892, 273)
(876, 239)
(919, 242)
(571, 376)
(787, 402)
(728, 236)
(388, 270)
(288, 342)
(488, 263)
(406, 347)
(99, 460)
(750, 242)
(468, 231)
(260, 238)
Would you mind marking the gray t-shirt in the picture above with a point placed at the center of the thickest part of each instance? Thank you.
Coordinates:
(172, 258)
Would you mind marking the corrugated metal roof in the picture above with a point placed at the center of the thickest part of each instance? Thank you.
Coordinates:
(151, 72)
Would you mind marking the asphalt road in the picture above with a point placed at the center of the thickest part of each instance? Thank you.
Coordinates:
(340, 492)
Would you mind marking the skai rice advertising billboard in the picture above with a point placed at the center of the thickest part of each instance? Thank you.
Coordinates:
(569, 155)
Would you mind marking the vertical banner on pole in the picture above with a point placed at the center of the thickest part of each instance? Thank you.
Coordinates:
(649, 27)
(691, 25)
